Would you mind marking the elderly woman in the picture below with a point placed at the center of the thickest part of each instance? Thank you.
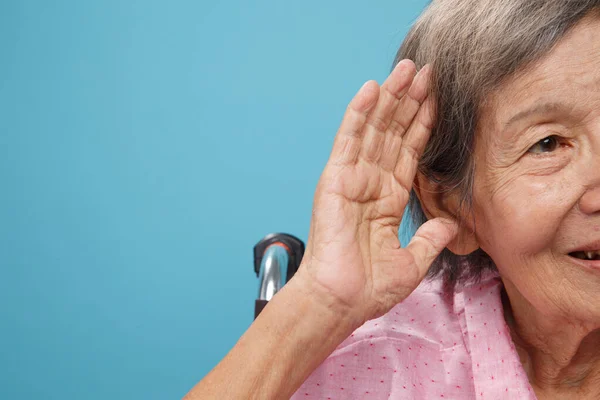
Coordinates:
(495, 143)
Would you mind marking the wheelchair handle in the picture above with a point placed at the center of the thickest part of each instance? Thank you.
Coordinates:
(276, 259)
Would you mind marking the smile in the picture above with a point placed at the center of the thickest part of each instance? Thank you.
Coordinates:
(586, 255)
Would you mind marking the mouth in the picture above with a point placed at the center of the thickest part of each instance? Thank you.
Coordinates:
(586, 255)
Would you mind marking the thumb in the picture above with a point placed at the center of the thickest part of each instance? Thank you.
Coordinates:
(429, 241)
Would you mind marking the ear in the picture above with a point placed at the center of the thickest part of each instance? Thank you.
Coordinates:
(437, 203)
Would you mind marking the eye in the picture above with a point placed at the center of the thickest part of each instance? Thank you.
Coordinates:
(546, 145)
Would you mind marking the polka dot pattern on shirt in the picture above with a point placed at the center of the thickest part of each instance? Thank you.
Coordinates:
(430, 346)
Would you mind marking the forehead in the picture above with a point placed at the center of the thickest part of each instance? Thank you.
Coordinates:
(568, 76)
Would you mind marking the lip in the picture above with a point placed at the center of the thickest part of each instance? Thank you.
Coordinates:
(589, 264)
(592, 246)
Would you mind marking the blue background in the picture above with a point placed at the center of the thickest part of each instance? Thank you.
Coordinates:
(145, 147)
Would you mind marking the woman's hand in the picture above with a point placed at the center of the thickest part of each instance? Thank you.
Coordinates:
(353, 253)
(353, 267)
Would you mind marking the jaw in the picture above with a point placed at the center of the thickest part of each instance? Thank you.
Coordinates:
(555, 351)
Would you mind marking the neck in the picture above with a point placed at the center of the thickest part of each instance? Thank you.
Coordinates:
(559, 354)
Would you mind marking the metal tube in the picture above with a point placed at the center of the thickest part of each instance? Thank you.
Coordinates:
(273, 271)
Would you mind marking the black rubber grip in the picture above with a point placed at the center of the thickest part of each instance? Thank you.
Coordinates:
(258, 306)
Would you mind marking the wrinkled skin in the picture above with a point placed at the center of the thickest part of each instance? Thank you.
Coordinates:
(353, 257)
(538, 200)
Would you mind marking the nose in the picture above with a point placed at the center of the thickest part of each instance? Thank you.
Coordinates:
(590, 201)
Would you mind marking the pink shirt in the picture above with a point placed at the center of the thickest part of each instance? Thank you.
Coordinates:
(427, 347)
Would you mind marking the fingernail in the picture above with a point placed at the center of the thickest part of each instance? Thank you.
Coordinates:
(406, 63)
(362, 89)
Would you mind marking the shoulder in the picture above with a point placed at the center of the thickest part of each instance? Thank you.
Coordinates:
(419, 349)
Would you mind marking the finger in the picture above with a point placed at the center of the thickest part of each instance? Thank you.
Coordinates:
(429, 241)
(404, 114)
(348, 140)
(414, 144)
(378, 121)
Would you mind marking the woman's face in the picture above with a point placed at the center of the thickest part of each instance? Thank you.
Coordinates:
(537, 179)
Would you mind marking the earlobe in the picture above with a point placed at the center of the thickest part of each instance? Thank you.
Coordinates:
(437, 203)
(465, 242)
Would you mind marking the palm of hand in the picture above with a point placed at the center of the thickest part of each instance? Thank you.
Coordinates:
(353, 250)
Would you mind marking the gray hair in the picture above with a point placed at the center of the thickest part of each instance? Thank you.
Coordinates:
(474, 46)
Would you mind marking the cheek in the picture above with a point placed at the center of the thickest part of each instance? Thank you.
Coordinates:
(522, 217)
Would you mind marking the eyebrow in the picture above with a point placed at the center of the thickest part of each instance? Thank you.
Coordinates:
(542, 108)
